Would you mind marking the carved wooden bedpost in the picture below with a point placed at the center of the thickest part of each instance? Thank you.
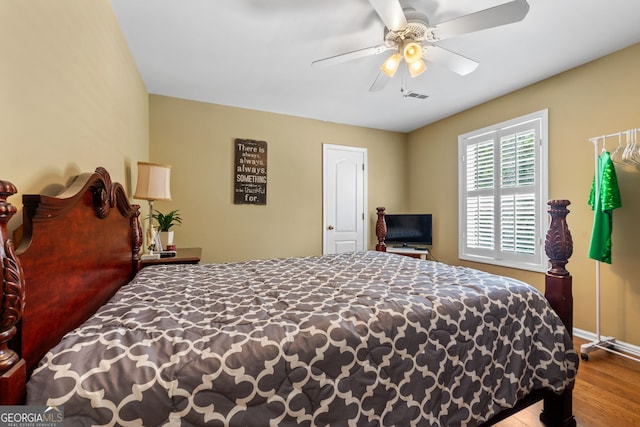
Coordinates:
(137, 238)
(381, 231)
(559, 248)
(558, 409)
(12, 367)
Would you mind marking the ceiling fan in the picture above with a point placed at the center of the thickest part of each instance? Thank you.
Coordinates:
(413, 40)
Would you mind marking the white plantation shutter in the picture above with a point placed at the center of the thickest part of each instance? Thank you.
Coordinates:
(480, 202)
(503, 193)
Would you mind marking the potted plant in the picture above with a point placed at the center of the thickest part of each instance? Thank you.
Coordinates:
(165, 222)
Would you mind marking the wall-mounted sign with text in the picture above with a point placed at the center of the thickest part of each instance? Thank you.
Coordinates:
(250, 172)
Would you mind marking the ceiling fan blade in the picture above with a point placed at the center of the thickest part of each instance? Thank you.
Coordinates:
(380, 82)
(503, 14)
(454, 61)
(391, 13)
(349, 56)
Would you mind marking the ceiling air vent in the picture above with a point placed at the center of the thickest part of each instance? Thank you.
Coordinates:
(409, 94)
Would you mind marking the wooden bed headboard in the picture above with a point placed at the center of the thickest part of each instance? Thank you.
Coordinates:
(85, 243)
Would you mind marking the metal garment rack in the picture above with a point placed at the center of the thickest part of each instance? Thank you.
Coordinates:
(609, 343)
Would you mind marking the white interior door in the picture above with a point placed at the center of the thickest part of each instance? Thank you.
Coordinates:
(345, 199)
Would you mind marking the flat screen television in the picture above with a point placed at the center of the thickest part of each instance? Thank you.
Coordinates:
(409, 229)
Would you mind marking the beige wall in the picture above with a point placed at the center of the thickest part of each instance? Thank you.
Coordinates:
(71, 98)
(599, 98)
(197, 140)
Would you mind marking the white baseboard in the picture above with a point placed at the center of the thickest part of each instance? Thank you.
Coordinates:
(621, 345)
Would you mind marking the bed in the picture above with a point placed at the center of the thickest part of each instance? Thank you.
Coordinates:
(362, 339)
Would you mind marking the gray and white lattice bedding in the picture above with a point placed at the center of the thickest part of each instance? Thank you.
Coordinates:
(363, 339)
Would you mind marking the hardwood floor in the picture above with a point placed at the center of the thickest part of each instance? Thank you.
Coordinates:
(607, 394)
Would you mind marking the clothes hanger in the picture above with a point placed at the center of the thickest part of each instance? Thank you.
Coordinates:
(635, 157)
(604, 144)
(627, 149)
(615, 152)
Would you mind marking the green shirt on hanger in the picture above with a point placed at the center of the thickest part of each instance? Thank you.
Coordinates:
(603, 206)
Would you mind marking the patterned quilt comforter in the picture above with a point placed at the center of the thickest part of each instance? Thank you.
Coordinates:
(365, 339)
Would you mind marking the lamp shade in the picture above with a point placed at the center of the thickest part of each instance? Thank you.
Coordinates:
(390, 66)
(153, 182)
(417, 68)
(412, 52)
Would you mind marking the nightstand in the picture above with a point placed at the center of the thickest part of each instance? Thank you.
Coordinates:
(183, 256)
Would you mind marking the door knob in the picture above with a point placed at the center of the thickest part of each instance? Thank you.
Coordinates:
(330, 227)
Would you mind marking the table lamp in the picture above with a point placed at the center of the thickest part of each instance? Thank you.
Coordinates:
(153, 184)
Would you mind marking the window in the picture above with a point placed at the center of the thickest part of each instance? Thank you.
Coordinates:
(503, 190)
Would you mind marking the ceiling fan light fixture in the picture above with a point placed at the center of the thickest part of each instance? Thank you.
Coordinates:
(412, 52)
(417, 68)
(390, 66)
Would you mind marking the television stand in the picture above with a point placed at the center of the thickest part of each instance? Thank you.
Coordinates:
(420, 253)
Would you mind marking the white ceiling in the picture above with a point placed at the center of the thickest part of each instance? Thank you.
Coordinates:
(257, 54)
